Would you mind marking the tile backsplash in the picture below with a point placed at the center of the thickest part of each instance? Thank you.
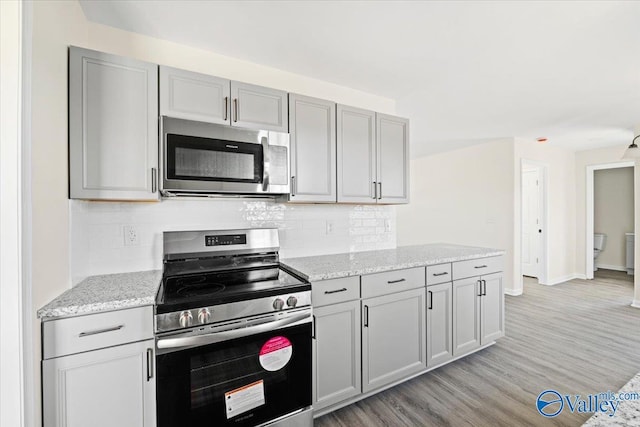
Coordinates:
(98, 229)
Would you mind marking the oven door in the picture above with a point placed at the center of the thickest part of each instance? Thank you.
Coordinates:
(243, 381)
(207, 158)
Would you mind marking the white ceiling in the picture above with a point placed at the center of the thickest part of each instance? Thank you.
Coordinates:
(463, 72)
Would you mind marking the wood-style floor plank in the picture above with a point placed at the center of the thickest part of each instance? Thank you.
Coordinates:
(579, 337)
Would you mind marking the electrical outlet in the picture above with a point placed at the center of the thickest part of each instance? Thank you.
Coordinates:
(130, 235)
(387, 226)
(329, 227)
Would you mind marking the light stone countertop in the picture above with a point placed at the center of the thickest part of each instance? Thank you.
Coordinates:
(105, 293)
(627, 414)
(315, 268)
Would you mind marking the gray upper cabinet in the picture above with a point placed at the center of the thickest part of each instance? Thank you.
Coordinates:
(113, 127)
(258, 107)
(393, 159)
(194, 96)
(393, 337)
(356, 142)
(313, 149)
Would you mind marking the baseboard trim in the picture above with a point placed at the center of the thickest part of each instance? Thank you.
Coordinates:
(611, 267)
(513, 292)
(562, 279)
(635, 303)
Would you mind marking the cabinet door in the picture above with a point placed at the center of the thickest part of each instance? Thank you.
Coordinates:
(356, 155)
(113, 127)
(257, 107)
(466, 315)
(194, 96)
(492, 308)
(393, 159)
(393, 337)
(313, 149)
(336, 353)
(439, 324)
(102, 388)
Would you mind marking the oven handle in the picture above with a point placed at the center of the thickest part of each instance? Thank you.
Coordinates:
(215, 337)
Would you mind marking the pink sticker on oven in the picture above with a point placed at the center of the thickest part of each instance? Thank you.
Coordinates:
(275, 353)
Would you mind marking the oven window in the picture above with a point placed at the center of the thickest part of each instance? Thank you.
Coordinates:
(205, 159)
(241, 382)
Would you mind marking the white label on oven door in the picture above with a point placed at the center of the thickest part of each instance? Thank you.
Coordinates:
(275, 353)
(244, 399)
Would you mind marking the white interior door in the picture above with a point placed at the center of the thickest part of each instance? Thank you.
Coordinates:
(530, 222)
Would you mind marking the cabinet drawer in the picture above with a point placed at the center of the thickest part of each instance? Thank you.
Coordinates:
(477, 267)
(392, 281)
(439, 274)
(335, 290)
(83, 333)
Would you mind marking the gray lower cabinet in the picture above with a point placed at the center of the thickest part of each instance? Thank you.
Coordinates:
(110, 387)
(491, 308)
(393, 337)
(466, 315)
(392, 134)
(194, 96)
(478, 312)
(113, 127)
(312, 125)
(439, 324)
(336, 353)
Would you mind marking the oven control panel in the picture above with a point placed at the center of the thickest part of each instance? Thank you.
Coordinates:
(225, 240)
(200, 316)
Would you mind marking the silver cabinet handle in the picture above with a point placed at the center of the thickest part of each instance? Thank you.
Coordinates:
(154, 180)
(395, 281)
(444, 273)
(226, 108)
(100, 331)
(375, 190)
(335, 292)
(366, 316)
(293, 186)
(379, 190)
(149, 364)
(235, 108)
(430, 307)
(480, 266)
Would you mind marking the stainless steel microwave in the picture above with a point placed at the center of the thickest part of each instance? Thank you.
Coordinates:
(200, 158)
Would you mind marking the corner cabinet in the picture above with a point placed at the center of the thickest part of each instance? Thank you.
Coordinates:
(201, 97)
(113, 127)
(373, 157)
(312, 125)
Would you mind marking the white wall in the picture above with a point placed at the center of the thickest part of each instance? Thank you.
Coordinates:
(465, 197)
(97, 239)
(58, 24)
(560, 230)
(613, 214)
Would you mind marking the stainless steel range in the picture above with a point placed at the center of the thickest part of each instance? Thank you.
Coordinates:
(233, 332)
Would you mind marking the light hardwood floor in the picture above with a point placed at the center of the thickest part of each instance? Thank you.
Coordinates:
(579, 337)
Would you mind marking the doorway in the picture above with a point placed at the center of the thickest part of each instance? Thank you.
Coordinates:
(590, 217)
(533, 220)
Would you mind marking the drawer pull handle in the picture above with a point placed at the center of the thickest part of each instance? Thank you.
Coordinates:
(444, 273)
(480, 266)
(100, 331)
(335, 292)
(395, 281)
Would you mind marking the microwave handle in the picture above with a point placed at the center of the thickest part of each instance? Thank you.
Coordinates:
(266, 163)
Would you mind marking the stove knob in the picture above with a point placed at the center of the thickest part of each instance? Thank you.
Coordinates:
(278, 304)
(186, 319)
(292, 301)
(204, 315)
